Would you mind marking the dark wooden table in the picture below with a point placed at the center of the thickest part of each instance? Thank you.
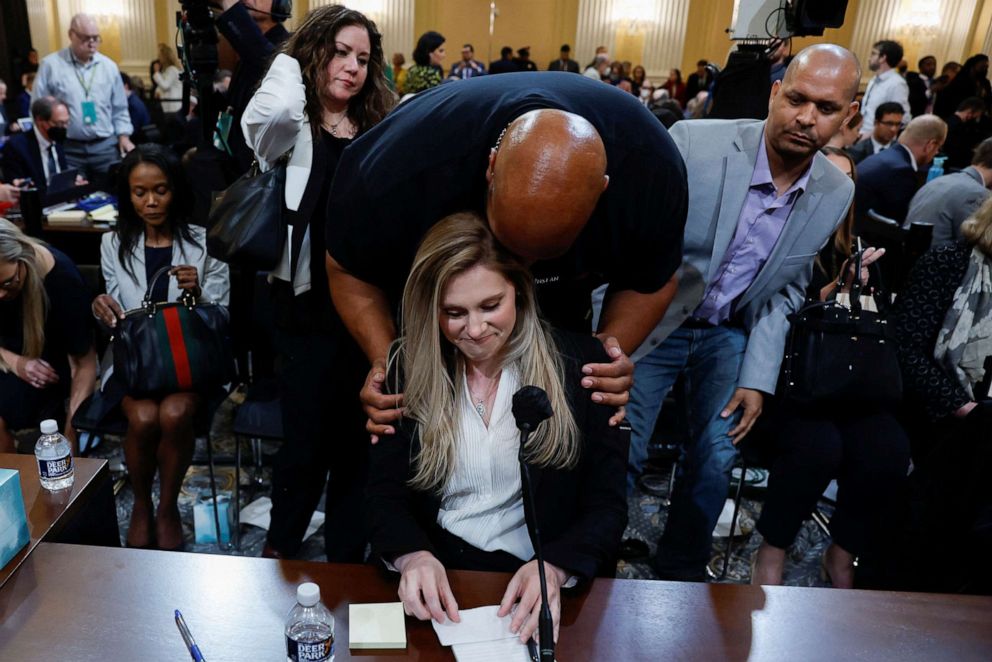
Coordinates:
(77, 515)
(84, 603)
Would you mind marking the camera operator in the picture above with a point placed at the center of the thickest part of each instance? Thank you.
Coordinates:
(254, 29)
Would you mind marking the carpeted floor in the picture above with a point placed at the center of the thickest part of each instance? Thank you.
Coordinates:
(647, 512)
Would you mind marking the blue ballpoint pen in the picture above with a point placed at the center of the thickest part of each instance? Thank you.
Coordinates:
(194, 650)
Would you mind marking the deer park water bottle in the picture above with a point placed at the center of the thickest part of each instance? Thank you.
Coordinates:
(54, 455)
(309, 628)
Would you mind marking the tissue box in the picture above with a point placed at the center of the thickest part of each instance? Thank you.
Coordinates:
(13, 520)
(204, 526)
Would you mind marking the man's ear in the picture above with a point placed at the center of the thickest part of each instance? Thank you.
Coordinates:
(492, 165)
(606, 181)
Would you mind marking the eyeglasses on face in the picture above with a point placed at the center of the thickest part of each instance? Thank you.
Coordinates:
(88, 38)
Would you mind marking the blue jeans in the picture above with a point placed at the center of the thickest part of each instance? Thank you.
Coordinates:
(710, 362)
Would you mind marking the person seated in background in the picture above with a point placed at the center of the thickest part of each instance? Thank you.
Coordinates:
(523, 61)
(675, 87)
(888, 180)
(24, 98)
(946, 202)
(399, 73)
(445, 489)
(46, 336)
(861, 445)
(505, 63)
(153, 233)
(468, 66)
(888, 121)
(847, 135)
(943, 325)
(136, 108)
(964, 132)
(699, 80)
(564, 61)
(599, 68)
(38, 154)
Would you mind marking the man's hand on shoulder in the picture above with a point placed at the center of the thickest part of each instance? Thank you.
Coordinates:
(610, 382)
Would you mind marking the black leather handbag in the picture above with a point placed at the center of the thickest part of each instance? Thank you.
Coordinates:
(247, 227)
(172, 347)
(837, 355)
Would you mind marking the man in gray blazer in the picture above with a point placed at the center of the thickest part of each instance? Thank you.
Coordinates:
(946, 202)
(762, 202)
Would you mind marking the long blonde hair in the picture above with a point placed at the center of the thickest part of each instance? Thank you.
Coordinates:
(18, 248)
(167, 57)
(432, 366)
(977, 230)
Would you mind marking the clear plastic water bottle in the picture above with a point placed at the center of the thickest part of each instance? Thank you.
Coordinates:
(54, 455)
(309, 627)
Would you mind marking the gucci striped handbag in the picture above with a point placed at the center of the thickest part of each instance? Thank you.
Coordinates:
(172, 347)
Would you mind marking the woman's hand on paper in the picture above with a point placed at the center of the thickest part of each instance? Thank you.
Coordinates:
(424, 588)
(525, 588)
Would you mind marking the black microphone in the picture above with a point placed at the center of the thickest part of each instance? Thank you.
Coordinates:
(531, 406)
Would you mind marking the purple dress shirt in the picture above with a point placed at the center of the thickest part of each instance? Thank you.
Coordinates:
(758, 228)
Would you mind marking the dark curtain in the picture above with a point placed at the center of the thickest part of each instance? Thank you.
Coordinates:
(15, 42)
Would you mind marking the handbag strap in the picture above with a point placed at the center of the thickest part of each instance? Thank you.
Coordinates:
(146, 302)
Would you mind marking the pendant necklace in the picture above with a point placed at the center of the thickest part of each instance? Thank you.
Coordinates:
(480, 403)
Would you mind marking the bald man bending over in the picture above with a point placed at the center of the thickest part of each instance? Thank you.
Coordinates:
(762, 203)
(574, 176)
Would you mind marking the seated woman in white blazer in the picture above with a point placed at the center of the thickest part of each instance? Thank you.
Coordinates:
(152, 233)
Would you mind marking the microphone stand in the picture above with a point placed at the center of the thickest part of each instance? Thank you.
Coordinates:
(545, 625)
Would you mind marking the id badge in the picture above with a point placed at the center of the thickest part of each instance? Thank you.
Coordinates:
(89, 112)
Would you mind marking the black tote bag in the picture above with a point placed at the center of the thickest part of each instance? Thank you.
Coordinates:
(247, 228)
(837, 355)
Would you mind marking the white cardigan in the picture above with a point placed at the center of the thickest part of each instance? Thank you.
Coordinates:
(275, 123)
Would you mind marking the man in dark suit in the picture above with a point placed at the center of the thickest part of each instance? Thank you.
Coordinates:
(564, 61)
(920, 94)
(38, 154)
(888, 121)
(505, 64)
(964, 132)
(887, 181)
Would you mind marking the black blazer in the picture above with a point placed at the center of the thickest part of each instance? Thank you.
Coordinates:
(886, 183)
(22, 158)
(569, 65)
(582, 513)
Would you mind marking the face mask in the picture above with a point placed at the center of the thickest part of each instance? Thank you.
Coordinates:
(57, 134)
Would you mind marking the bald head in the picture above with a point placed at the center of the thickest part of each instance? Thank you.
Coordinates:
(924, 136)
(828, 62)
(544, 182)
(84, 36)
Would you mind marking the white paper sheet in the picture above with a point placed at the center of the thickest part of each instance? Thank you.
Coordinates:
(259, 513)
(501, 650)
(476, 625)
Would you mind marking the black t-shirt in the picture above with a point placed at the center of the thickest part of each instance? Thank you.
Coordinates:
(68, 324)
(428, 160)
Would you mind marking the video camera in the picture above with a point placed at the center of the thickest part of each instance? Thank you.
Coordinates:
(781, 19)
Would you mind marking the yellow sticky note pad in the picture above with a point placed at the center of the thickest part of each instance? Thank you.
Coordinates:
(376, 625)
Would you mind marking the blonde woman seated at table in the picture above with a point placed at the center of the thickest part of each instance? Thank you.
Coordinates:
(445, 490)
(153, 233)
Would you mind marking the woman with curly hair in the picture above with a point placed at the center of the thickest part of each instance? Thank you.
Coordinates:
(326, 87)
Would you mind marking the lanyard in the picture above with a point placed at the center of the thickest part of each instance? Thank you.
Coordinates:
(87, 86)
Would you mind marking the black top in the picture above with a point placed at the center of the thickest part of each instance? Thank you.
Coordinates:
(157, 258)
(68, 325)
(429, 157)
(919, 317)
(314, 309)
(581, 512)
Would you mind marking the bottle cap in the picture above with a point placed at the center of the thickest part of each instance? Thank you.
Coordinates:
(308, 594)
(49, 426)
